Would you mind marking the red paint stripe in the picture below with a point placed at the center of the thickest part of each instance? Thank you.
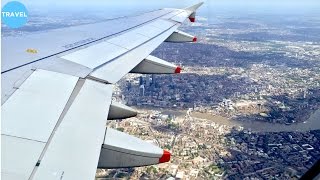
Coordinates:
(165, 157)
(194, 39)
(192, 19)
(178, 70)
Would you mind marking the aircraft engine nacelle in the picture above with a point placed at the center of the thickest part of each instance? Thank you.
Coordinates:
(121, 150)
(180, 37)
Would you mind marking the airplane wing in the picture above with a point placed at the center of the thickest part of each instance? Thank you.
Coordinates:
(57, 89)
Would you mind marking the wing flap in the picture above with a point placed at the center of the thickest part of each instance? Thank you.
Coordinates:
(31, 113)
(76, 144)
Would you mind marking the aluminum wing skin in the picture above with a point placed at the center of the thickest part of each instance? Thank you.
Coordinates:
(57, 89)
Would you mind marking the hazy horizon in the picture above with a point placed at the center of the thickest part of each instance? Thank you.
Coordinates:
(127, 6)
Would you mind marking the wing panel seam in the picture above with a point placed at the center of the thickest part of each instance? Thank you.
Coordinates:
(23, 138)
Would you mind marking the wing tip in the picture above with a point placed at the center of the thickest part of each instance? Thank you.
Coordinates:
(193, 8)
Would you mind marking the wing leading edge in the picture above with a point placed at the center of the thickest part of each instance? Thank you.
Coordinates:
(56, 105)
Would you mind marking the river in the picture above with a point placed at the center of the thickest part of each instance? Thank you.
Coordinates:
(312, 123)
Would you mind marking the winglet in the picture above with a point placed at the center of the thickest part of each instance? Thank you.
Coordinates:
(194, 7)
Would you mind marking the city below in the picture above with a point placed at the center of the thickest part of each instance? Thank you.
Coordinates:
(247, 105)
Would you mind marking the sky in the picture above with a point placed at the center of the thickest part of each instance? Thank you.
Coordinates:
(169, 3)
(126, 7)
(105, 3)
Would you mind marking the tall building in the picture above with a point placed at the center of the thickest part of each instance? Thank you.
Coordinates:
(142, 90)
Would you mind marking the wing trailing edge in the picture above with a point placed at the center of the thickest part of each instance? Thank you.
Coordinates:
(194, 7)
